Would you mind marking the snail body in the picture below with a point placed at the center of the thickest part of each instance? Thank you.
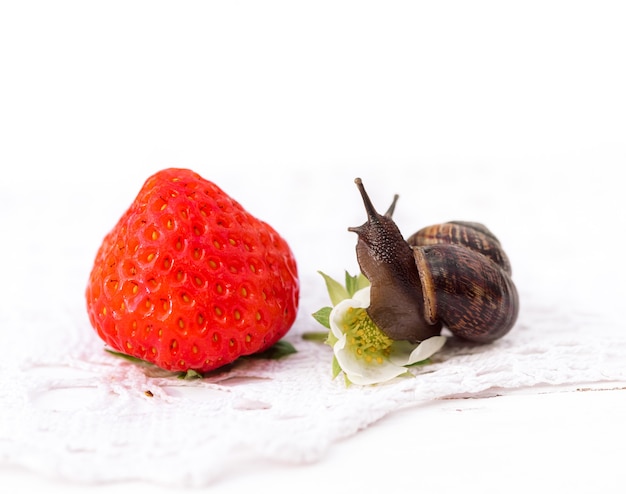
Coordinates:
(453, 274)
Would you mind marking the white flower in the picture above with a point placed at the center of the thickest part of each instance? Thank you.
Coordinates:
(364, 353)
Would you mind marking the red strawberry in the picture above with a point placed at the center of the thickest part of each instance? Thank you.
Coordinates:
(189, 280)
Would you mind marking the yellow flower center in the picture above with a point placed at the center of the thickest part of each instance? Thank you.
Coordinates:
(364, 337)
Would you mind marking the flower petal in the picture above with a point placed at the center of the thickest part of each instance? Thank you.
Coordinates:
(405, 353)
(426, 349)
(359, 372)
(340, 344)
(401, 352)
(361, 299)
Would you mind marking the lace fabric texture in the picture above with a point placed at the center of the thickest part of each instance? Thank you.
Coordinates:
(71, 410)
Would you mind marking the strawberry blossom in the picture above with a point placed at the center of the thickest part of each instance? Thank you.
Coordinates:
(361, 350)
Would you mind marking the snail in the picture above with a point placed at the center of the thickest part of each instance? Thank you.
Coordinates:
(452, 275)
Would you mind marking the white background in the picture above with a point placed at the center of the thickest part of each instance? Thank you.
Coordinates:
(508, 113)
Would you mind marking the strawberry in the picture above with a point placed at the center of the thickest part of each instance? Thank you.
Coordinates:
(189, 280)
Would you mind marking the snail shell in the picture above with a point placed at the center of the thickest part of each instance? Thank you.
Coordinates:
(471, 295)
(475, 236)
(453, 274)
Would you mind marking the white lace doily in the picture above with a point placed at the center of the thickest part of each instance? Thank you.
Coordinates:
(71, 410)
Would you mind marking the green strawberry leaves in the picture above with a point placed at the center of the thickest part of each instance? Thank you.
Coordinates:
(279, 350)
(338, 292)
(322, 316)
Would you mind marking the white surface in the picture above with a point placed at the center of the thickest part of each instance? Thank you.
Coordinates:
(545, 441)
(509, 115)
